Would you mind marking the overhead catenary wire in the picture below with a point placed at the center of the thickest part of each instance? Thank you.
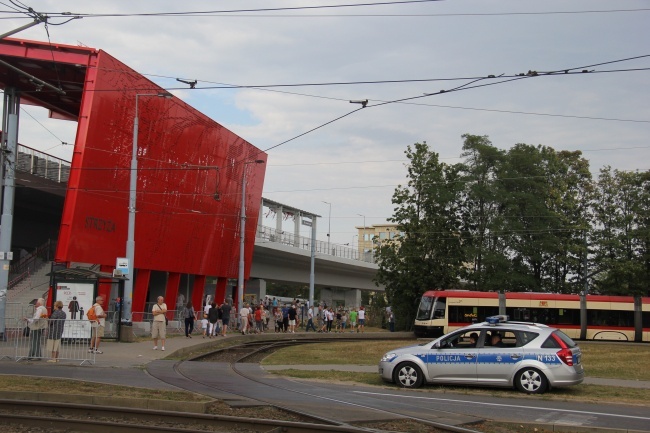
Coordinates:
(256, 12)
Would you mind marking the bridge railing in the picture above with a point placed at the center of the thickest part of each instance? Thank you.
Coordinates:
(321, 247)
(41, 164)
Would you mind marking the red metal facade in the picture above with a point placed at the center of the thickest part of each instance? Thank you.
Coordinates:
(185, 161)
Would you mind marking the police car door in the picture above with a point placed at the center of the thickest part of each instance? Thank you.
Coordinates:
(453, 359)
(496, 365)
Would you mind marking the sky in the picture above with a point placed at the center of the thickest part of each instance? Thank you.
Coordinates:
(346, 171)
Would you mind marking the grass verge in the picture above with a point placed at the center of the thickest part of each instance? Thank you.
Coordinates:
(20, 383)
(607, 360)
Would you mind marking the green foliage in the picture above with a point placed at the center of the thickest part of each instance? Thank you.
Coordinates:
(429, 254)
(526, 219)
(622, 236)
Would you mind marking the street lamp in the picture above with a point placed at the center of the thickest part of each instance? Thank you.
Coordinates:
(130, 240)
(329, 226)
(242, 235)
(364, 230)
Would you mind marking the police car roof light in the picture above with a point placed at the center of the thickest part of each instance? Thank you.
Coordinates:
(493, 320)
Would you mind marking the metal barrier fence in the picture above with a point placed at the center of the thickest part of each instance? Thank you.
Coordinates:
(74, 344)
(176, 325)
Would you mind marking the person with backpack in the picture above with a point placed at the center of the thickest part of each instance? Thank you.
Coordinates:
(97, 317)
(189, 316)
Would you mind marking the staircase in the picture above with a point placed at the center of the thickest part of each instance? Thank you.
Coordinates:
(35, 286)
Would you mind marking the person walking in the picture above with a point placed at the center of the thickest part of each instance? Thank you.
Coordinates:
(259, 315)
(36, 325)
(344, 320)
(226, 307)
(243, 318)
(213, 317)
(56, 322)
(362, 319)
(189, 316)
(159, 324)
(204, 321)
(330, 319)
(353, 319)
(310, 320)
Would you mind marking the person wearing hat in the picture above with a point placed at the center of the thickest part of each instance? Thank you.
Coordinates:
(473, 339)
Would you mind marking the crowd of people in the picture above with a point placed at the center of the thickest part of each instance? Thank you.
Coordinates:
(269, 316)
(215, 318)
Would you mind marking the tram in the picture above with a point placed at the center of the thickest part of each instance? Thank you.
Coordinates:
(622, 318)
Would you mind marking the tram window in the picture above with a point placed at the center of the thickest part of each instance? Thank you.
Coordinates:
(567, 316)
(424, 311)
(645, 320)
(613, 318)
(469, 314)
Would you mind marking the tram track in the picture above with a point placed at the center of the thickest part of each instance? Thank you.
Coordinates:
(252, 350)
(90, 418)
(71, 418)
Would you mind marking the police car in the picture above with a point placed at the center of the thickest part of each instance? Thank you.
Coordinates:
(529, 356)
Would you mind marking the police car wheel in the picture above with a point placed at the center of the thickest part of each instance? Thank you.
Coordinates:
(408, 375)
(531, 381)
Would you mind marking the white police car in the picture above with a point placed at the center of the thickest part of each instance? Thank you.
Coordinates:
(529, 356)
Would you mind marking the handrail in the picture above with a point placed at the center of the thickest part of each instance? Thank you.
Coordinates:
(41, 164)
(42, 252)
(320, 247)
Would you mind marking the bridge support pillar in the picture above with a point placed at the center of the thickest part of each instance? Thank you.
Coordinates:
(255, 290)
(347, 297)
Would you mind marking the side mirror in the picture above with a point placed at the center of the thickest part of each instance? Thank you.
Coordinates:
(436, 345)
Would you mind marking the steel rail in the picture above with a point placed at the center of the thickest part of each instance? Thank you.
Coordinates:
(142, 420)
(260, 346)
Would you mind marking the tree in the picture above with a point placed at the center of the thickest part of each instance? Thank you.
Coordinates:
(481, 212)
(428, 254)
(569, 199)
(622, 234)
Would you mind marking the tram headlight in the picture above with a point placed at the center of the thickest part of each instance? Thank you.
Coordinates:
(388, 357)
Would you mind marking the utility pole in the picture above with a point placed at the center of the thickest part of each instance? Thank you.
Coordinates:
(9, 148)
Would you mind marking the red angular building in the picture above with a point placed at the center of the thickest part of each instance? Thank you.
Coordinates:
(189, 176)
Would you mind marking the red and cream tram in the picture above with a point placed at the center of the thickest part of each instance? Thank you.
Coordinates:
(607, 317)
